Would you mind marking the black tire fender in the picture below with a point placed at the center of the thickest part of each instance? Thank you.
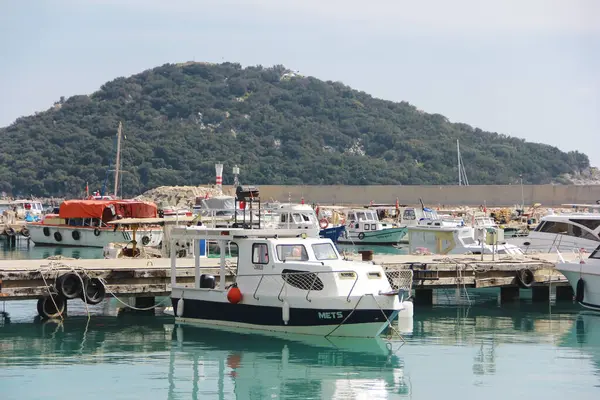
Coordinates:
(525, 278)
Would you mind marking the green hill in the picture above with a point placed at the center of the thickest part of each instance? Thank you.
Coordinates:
(279, 128)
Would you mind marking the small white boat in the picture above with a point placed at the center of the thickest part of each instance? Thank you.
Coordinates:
(584, 277)
(436, 238)
(285, 283)
(363, 227)
(24, 207)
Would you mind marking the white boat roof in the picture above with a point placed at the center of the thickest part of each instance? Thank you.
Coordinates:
(198, 232)
(567, 216)
(597, 206)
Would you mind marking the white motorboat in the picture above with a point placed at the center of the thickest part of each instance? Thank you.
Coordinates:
(285, 283)
(584, 277)
(436, 238)
(562, 232)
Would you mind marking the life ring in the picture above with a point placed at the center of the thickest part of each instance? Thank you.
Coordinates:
(46, 231)
(69, 285)
(323, 223)
(93, 291)
(96, 232)
(51, 306)
(145, 240)
(361, 236)
(57, 236)
(25, 232)
(525, 278)
(579, 290)
(76, 235)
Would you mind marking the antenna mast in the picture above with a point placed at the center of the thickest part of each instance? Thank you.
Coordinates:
(462, 174)
(118, 160)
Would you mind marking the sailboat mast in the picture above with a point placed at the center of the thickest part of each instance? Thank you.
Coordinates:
(118, 160)
(458, 159)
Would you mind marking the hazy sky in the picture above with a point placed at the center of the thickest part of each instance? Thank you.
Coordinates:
(526, 68)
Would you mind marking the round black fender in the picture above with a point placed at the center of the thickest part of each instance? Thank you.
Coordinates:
(46, 231)
(361, 236)
(579, 290)
(69, 285)
(93, 291)
(76, 235)
(96, 232)
(57, 236)
(51, 306)
(525, 278)
(145, 240)
(25, 232)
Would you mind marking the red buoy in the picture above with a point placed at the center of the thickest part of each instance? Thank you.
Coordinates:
(234, 295)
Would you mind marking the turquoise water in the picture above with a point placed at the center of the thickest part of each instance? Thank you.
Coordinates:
(483, 351)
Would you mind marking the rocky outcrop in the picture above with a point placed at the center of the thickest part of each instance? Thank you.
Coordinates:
(178, 196)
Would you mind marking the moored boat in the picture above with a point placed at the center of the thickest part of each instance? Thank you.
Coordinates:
(87, 223)
(363, 227)
(286, 283)
(584, 277)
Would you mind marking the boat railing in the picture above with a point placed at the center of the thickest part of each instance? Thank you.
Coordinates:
(304, 280)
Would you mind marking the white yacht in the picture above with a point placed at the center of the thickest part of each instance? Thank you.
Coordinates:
(286, 283)
(563, 232)
(584, 277)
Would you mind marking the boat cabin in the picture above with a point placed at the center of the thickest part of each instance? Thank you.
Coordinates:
(24, 207)
(584, 226)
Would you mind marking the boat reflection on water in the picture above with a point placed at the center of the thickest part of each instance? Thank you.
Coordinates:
(585, 336)
(290, 366)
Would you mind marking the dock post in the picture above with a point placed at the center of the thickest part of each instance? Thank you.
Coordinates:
(424, 297)
(509, 293)
(540, 293)
(145, 302)
(564, 293)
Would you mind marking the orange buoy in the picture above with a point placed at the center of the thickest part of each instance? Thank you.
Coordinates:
(234, 295)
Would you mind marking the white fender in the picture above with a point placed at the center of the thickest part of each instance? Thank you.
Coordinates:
(285, 312)
(180, 307)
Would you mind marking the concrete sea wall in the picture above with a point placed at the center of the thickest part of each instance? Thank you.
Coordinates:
(491, 195)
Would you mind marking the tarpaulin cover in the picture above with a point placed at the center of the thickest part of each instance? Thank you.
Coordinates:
(95, 209)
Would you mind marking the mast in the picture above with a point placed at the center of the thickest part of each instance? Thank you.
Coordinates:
(458, 160)
(118, 160)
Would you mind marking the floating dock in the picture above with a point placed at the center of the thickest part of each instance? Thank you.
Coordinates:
(145, 279)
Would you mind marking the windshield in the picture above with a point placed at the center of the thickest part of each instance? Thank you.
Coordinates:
(324, 251)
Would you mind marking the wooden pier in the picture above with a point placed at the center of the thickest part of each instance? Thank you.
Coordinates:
(148, 278)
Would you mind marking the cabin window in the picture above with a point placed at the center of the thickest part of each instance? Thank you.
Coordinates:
(292, 252)
(324, 251)
(283, 217)
(565, 229)
(361, 216)
(366, 227)
(302, 279)
(260, 253)
(306, 218)
(373, 227)
(409, 215)
(591, 224)
(297, 218)
(371, 217)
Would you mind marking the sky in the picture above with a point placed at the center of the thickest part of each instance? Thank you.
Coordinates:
(529, 69)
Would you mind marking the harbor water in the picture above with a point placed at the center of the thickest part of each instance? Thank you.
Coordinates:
(462, 347)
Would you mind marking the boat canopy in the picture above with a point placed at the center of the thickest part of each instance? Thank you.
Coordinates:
(116, 208)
